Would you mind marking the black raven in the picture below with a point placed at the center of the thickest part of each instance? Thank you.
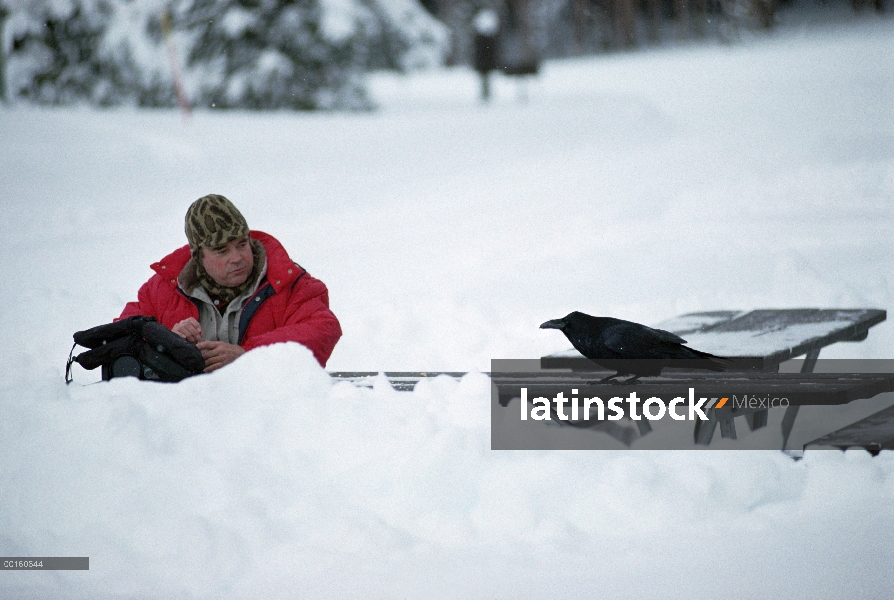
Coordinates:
(630, 348)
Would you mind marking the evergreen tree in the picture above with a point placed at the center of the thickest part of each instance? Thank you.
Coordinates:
(66, 57)
(66, 63)
(271, 54)
(4, 12)
(256, 54)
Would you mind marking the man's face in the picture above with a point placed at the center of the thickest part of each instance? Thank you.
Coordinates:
(230, 264)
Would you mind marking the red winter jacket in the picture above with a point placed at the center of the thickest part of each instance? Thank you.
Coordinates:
(289, 305)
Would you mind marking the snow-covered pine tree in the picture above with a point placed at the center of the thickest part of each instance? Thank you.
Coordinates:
(400, 35)
(91, 51)
(264, 54)
(256, 54)
(62, 54)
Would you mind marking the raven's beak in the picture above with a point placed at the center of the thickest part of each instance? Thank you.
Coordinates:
(554, 324)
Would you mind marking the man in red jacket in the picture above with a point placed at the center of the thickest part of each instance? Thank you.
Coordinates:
(231, 289)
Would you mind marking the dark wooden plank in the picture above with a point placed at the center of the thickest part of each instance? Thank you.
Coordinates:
(757, 419)
(788, 423)
(874, 433)
(704, 431)
(402, 381)
(416, 374)
(579, 363)
(728, 429)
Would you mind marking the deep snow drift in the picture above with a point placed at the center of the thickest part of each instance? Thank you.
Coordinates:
(640, 186)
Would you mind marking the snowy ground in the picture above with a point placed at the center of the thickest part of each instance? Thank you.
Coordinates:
(638, 185)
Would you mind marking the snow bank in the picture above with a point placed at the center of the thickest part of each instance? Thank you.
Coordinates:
(267, 480)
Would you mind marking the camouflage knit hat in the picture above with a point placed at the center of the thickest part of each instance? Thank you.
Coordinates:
(213, 221)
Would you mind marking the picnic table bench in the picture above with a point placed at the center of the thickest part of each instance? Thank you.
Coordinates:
(757, 342)
(874, 433)
(401, 381)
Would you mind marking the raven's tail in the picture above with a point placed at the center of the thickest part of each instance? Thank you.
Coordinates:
(708, 361)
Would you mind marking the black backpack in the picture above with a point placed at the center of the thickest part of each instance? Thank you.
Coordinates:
(136, 347)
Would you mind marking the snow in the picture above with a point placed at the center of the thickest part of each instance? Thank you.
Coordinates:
(642, 185)
(765, 342)
(486, 22)
(237, 20)
(339, 19)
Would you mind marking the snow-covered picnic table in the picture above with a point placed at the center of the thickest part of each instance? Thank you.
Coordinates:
(757, 341)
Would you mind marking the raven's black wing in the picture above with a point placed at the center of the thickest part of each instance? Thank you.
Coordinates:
(634, 341)
(666, 336)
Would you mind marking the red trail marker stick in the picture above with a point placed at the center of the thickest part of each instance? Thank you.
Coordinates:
(182, 100)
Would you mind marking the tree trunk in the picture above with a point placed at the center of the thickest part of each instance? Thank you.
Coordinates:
(3, 14)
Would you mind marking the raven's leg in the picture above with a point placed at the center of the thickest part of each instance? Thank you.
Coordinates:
(631, 381)
(609, 379)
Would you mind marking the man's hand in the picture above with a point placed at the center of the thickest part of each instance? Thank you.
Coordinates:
(218, 354)
(189, 329)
